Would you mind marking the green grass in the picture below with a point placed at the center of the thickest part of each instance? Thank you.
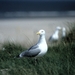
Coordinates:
(59, 60)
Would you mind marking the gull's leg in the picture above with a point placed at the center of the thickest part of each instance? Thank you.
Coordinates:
(36, 61)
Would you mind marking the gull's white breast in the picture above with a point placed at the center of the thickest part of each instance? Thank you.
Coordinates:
(55, 36)
(43, 47)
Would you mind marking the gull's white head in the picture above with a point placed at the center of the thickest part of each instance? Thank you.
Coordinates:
(41, 32)
(58, 28)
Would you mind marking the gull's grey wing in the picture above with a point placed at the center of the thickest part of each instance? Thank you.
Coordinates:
(33, 47)
(50, 38)
(31, 52)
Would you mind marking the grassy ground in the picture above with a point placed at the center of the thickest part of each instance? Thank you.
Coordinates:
(59, 60)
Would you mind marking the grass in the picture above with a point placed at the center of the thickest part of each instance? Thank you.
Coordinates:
(59, 60)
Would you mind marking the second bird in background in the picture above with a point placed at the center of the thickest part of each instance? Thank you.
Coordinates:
(55, 36)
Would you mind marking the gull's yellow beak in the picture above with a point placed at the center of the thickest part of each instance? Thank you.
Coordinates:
(38, 33)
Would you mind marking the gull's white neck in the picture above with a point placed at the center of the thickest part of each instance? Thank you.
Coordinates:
(42, 39)
(56, 32)
(64, 33)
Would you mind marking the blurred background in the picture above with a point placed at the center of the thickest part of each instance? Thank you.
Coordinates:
(21, 19)
(36, 8)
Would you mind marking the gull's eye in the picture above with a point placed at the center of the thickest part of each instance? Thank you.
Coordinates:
(41, 31)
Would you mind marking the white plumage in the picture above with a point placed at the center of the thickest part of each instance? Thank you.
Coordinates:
(63, 32)
(39, 49)
(55, 36)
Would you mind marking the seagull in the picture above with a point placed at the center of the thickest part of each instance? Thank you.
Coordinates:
(55, 36)
(63, 32)
(39, 49)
